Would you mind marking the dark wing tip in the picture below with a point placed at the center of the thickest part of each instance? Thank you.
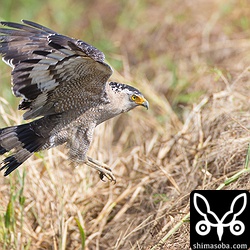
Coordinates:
(10, 165)
(38, 26)
(28, 26)
(11, 24)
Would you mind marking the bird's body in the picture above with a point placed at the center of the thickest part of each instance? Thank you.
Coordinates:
(65, 82)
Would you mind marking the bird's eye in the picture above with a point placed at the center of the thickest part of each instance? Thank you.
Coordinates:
(133, 97)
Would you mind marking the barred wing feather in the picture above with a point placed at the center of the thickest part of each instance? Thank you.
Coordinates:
(52, 73)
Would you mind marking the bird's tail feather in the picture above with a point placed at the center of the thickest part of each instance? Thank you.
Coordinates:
(23, 140)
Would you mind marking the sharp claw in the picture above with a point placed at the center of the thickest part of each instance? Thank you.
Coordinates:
(101, 175)
(108, 175)
(104, 171)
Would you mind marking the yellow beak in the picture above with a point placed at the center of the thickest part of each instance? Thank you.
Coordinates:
(140, 100)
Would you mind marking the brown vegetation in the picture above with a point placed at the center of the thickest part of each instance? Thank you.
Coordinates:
(191, 60)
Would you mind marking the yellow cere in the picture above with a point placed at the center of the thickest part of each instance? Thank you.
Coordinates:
(137, 99)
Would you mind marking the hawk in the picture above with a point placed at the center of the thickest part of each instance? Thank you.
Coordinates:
(63, 83)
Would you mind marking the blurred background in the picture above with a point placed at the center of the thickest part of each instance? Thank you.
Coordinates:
(191, 60)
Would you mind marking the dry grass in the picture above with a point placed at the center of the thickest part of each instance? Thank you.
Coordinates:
(191, 59)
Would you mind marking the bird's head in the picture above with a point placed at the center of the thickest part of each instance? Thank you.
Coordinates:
(130, 96)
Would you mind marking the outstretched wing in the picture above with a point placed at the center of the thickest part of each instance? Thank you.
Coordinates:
(51, 72)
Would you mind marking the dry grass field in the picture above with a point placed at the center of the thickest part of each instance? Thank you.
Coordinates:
(191, 60)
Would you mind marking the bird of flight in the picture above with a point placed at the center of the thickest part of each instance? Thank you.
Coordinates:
(63, 85)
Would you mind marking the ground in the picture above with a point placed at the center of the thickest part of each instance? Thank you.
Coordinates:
(191, 60)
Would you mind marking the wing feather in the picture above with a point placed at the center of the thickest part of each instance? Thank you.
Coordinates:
(50, 69)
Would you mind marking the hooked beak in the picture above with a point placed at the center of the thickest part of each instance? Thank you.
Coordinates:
(140, 100)
(145, 104)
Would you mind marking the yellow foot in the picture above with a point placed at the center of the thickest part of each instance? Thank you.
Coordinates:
(104, 170)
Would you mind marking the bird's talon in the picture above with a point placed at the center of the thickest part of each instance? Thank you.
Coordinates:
(103, 169)
(109, 176)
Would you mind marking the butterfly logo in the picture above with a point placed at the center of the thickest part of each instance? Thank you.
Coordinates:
(229, 219)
